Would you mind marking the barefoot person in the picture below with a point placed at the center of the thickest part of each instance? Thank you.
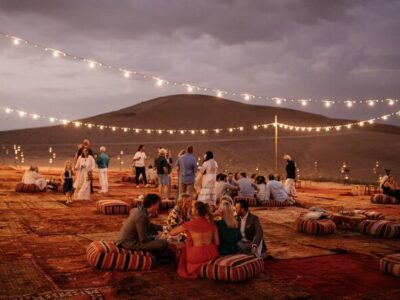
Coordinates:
(201, 242)
(85, 165)
(67, 180)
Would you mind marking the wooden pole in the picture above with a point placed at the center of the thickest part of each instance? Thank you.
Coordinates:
(276, 145)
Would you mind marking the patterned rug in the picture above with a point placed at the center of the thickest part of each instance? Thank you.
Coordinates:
(23, 277)
(75, 294)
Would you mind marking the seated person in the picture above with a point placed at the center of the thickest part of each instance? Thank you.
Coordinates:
(389, 187)
(151, 175)
(231, 180)
(275, 191)
(252, 241)
(32, 176)
(181, 212)
(245, 186)
(261, 186)
(228, 231)
(138, 233)
(201, 242)
(222, 187)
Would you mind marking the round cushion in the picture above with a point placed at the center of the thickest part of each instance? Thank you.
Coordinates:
(373, 215)
(27, 188)
(315, 227)
(250, 200)
(113, 207)
(383, 199)
(380, 228)
(232, 268)
(274, 203)
(390, 264)
(107, 256)
(128, 178)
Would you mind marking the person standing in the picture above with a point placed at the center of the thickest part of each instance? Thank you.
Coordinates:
(139, 160)
(162, 173)
(290, 175)
(102, 163)
(67, 179)
(209, 175)
(187, 166)
(85, 165)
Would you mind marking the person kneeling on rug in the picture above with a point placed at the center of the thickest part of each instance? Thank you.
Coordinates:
(201, 242)
(138, 233)
(32, 176)
(252, 241)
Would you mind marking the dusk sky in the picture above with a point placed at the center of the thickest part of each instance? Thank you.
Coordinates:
(300, 49)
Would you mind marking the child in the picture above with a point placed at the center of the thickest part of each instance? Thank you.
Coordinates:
(66, 177)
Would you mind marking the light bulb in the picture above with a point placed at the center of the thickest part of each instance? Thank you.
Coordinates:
(219, 94)
(190, 89)
(52, 120)
(92, 65)
(22, 113)
(160, 82)
(8, 110)
(304, 102)
(327, 104)
(35, 116)
(371, 103)
(246, 97)
(127, 74)
(349, 104)
(16, 41)
(56, 54)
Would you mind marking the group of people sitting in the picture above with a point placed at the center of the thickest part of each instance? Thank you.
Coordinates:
(207, 233)
(256, 186)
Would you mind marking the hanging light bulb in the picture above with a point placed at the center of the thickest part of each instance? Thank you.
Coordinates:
(8, 110)
(159, 131)
(137, 130)
(190, 88)
(182, 131)
(101, 127)
(52, 120)
(385, 118)
(125, 129)
(64, 122)
(216, 130)
(390, 101)
(56, 53)
(34, 116)
(171, 132)
(349, 103)
(303, 102)
(219, 94)
(371, 102)
(16, 41)
(255, 127)
(22, 113)
(127, 74)
(246, 97)
(92, 65)
(89, 125)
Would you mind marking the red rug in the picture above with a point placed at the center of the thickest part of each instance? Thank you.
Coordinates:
(333, 275)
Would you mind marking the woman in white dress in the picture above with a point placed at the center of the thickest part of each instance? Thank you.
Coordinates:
(209, 173)
(85, 165)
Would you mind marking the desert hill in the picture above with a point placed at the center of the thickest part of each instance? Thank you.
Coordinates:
(250, 149)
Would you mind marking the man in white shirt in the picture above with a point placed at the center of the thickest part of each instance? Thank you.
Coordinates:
(252, 241)
(275, 191)
(139, 161)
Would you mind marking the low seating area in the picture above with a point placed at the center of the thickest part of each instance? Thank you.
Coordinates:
(380, 228)
(113, 207)
(128, 178)
(390, 264)
(273, 203)
(250, 200)
(315, 227)
(27, 188)
(383, 199)
(165, 204)
(107, 256)
(233, 268)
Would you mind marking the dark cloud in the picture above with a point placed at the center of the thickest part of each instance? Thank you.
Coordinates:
(298, 48)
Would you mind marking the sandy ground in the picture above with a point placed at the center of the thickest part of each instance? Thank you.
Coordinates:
(43, 241)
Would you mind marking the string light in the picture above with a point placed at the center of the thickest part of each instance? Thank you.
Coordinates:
(189, 86)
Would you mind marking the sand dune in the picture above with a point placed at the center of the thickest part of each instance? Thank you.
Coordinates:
(359, 148)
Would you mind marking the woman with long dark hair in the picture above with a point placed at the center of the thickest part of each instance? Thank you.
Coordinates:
(209, 172)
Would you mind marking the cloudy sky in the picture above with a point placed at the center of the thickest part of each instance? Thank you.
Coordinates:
(301, 49)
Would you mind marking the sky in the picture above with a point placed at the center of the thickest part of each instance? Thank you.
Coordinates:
(292, 49)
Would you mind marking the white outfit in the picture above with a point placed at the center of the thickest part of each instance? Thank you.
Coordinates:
(151, 176)
(290, 187)
(142, 157)
(84, 165)
(103, 180)
(31, 177)
(207, 192)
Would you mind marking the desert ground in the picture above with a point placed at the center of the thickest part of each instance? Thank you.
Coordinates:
(43, 242)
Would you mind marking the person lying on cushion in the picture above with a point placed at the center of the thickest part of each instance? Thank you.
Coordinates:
(138, 233)
(201, 242)
(252, 241)
(32, 176)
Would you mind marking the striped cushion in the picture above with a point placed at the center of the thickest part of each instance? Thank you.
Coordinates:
(380, 228)
(233, 268)
(113, 207)
(315, 227)
(373, 215)
(250, 200)
(273, 203)
(27, 188)
(107, 256)
(128, 178)
(164, 205)
(391, 264)
(383, 199)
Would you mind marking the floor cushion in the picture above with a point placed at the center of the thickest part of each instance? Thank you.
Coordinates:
(273, 203)
(27, 188)
(113, 207)
(232, 268)
(390, 264)
(107, 256)
(250, 200)
(315, 227)
(380, 228)
(370, 215)
(383, 199)
(128, 178)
